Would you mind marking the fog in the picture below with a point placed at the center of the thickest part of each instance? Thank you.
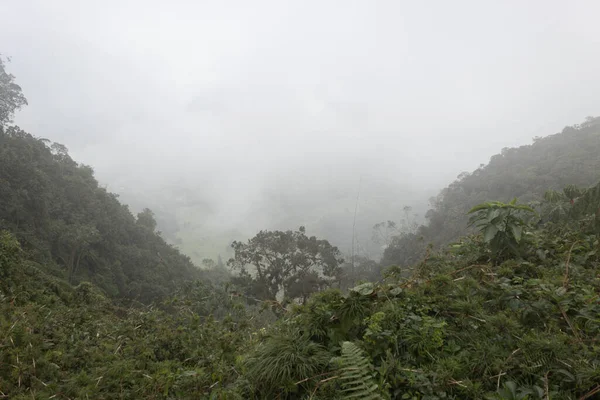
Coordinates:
(227, 117)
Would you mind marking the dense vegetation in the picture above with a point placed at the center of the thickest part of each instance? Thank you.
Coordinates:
(289, 264)
(59, 341)
(78, 230)
(511, 311)
(483, 319)
(526, 172)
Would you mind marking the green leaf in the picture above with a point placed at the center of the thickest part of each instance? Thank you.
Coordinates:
(517, 230)
(489, 233)
(493, 214)
(479, 207)
(560, 291)
(570, 376)
(365, 289)
(356, 374)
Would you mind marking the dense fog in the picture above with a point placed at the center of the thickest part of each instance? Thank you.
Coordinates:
(229, 117)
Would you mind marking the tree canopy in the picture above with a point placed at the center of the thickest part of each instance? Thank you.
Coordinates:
(288, 263)
(11, 96)
(76, 228)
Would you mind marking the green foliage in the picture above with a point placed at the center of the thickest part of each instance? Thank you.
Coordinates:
(511, 391)
(502, 226)
(461, 328)
(457, 328)
(588, 205)
(63, 342)
(284, 361)
(573, 208)
(70, 225)
(146, 219)
(526, 172)
(556, 206)
(11, 96)
(288, 262)
(362, 269)
(10, 250)
(356, 374)
(77, 230)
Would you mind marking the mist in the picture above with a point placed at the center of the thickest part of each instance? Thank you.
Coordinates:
(230, 117)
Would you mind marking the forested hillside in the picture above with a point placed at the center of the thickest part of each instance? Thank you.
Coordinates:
(76, 229)
(72, 342)
(552, 162)
(507, 315)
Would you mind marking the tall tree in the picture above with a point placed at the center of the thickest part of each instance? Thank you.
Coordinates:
(146, 219)
(288, 263)
(73, 242)
(11, 96)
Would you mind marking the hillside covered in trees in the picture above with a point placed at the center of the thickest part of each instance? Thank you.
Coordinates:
(62, 217)
(72, 227)
(552, 162)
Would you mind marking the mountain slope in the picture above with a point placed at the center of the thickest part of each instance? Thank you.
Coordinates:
(77, 229)
(60, 341)
(553, 162)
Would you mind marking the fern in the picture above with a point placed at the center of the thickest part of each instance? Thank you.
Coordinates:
(356, 374)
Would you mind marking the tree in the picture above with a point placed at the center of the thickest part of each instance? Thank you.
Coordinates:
(383, 232)
(10, 251)
(288, 263)
(501, 225)
(589, 205)
(73, 243)
(215, 272)
(404, 250)
(146, 219)
(361, 269)
(573, 207)
(11, 96)
(59, 213)
(209, 263)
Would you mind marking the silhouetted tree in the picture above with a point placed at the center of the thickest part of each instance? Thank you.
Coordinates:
(275, 262)
(11, 96)
(146, 219)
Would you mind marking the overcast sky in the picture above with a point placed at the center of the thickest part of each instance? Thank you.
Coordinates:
(243, 92)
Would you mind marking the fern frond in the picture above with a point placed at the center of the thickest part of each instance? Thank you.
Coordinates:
(356, 374)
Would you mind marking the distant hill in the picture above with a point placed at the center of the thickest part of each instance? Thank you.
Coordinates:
(571, 157)
(78, 230)
(204, 227)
